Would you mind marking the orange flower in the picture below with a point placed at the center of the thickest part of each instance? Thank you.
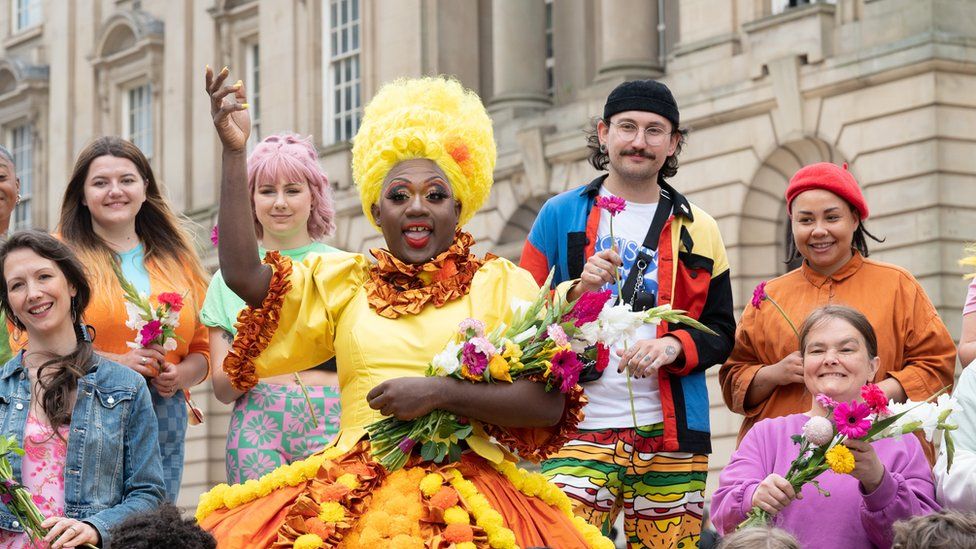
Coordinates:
(314, 525)
(358, 469)
(334, 492)
(445, 498)
(458, 533)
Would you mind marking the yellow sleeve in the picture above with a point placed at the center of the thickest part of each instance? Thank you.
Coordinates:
(294, 328)
(498, 284)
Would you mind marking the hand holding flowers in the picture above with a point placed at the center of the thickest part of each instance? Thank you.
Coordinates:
(841, 442)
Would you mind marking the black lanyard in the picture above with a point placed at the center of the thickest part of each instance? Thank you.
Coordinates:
(641, 300)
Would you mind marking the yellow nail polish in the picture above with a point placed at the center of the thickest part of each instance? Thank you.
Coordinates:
(245, 105)
(225, 69)
(239, 83)
(206, 67)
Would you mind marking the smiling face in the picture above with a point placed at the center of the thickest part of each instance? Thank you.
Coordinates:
(9, 187)
(114, 191)
(836, 360)
(637, 159)
(823, 229)
(417, 211)
(283, 208)
(38, 293)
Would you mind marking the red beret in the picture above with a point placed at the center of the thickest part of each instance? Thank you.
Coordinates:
(829, 177)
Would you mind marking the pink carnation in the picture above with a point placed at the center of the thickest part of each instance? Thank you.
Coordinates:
(150, 332)
(612, 204)
(875, 397)
(566, 368)
(852, 419)
(476, 326)
(759, 294)
(826, 402)
(476, 354)
(557, 335)
(214, 236)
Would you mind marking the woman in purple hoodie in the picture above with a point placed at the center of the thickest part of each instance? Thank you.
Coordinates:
(891, 480)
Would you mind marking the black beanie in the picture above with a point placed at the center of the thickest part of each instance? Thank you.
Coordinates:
(642, 95)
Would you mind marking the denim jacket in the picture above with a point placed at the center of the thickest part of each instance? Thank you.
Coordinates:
(112, 469)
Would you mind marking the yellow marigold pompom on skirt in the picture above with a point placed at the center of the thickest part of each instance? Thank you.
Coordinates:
(336, 499)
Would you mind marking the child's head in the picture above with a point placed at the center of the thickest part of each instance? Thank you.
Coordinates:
(760, 538)
(161, 527)
(947, 529)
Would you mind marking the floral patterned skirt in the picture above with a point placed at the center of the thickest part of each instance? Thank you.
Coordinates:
(346, 499)
(271, 426)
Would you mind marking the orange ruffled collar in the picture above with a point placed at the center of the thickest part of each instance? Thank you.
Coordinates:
(395, 288)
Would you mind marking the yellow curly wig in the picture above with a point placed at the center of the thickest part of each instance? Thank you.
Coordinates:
(433, 118)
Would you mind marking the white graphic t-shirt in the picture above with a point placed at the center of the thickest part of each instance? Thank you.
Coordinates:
(609, 401)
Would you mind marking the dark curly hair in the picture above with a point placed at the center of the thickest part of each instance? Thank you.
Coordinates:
(600, 159)
(161, 527)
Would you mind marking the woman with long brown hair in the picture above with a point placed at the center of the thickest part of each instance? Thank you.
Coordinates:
(113, 211)
(86, 423)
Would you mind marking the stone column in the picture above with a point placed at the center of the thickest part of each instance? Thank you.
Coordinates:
(629, 40)
(518, 46)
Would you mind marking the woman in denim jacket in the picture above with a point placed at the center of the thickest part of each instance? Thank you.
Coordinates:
(86, 423)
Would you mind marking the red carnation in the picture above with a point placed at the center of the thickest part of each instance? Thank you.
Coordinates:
(173, 299)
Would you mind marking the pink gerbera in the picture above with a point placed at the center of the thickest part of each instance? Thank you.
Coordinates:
(875, 397)
(759, 294)
(566, 368)
(612, 204)
(852, 419)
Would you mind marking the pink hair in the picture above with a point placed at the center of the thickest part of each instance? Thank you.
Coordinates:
(293, 158)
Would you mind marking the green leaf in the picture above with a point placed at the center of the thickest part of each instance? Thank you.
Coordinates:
(428, 451)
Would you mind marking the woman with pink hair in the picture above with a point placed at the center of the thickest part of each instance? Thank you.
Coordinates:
(271, 424)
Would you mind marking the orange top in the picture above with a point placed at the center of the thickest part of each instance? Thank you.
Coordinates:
(914, 345)
(106, 313)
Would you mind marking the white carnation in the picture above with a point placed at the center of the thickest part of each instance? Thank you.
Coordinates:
(619, 323)
(446, 362)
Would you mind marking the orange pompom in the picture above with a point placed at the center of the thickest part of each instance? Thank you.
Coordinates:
(458, 533)
(445, 498)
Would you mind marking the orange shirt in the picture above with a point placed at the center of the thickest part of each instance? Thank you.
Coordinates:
(913, 344)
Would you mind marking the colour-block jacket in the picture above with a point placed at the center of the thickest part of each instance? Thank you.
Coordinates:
(693, 275)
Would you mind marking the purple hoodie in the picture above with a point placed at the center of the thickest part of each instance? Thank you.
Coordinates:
(849, 518)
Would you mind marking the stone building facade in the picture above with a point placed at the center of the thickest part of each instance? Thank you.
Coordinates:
(765, 86)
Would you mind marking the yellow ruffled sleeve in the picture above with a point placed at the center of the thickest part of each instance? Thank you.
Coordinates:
(295, 325)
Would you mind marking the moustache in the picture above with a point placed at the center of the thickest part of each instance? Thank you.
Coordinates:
(635, 152)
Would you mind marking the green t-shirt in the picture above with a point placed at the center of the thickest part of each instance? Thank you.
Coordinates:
(222, 305)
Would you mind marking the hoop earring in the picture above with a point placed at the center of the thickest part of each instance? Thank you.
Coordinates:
(19, 198)
(603, 148)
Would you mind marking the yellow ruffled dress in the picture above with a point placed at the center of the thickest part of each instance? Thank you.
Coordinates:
(338, 305)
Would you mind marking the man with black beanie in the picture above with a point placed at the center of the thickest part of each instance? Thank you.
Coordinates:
(647, 453)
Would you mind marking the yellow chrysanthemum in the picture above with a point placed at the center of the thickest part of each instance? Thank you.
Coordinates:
(431, 484)
(348, 480)
(332, 511)
(308, 541)
(456, 515)
(465, 545)
(840, 459)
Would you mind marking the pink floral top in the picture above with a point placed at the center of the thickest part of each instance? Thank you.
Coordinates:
(42, 471)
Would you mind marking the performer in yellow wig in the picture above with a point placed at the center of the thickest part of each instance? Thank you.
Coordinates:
(423, 162)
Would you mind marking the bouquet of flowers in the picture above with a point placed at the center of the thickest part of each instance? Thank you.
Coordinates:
(822, 439)
(16, 498)
(549, 340)
(155, 325)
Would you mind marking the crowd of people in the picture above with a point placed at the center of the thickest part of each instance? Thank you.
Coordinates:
(311, 345)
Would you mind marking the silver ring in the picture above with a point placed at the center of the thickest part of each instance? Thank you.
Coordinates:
(144, 361)
(71, 529)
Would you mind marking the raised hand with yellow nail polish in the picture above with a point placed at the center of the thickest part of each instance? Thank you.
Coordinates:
(229, 110)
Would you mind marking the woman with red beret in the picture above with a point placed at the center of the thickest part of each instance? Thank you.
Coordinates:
(764, 376)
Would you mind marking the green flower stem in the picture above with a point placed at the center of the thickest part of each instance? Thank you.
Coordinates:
(308, 400)
(785, 316)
